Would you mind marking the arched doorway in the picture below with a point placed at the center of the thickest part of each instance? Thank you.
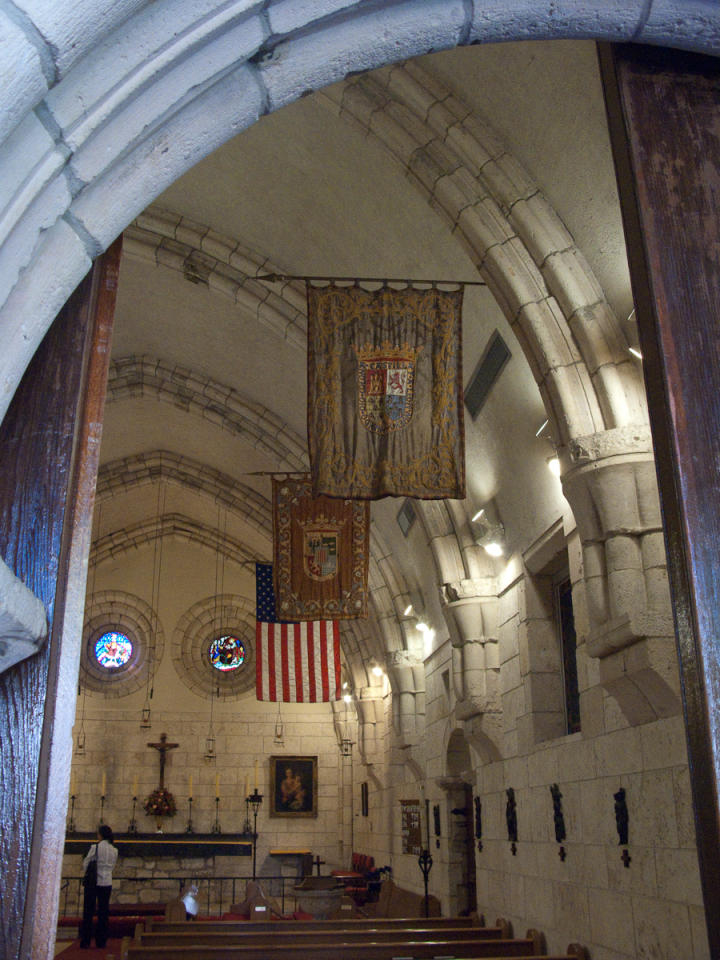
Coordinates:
(136, 185)
(458, 787)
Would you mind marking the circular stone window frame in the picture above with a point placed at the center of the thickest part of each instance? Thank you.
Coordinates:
(202, 623)
(114, 610)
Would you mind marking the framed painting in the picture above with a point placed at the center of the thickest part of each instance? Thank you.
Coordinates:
(293, 786)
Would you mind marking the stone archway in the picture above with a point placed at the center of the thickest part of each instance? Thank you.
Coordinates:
(60, 118)
(108, 106)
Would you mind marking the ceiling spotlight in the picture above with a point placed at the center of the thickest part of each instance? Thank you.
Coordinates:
(377, 670)
(635, 352)
(554, 465)
(479, 515)
(408, 610)
(347, 698)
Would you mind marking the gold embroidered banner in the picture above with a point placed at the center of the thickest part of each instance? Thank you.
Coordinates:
(321, 548)
(385, 399)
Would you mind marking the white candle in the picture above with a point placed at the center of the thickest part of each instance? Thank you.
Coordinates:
(217, 786)
(190, 785)
(72, 784)
(247, 785)
(256, 778)
(104, 784)
(135, 785)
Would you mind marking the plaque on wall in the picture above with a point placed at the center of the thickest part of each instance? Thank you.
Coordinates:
(410, 827)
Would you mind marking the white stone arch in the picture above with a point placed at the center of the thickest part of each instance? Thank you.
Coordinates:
(106, 104)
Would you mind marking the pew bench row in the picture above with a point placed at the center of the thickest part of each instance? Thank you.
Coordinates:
(334, 940)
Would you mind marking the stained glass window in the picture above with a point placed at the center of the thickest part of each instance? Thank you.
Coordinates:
(113, 649)
(227, 653)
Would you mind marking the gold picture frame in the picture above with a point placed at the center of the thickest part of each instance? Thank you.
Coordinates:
(293, 786)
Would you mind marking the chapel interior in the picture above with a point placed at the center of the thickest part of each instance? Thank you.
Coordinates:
(476, 670)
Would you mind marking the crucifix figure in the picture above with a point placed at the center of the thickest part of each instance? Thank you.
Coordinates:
(162, 749)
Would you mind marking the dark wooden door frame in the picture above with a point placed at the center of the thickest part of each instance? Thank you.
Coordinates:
(49, 450)
(664, 117)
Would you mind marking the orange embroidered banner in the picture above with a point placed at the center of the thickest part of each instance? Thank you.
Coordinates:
(321, 550)
(385, 398)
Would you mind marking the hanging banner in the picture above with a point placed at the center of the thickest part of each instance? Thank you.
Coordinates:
(321, 550)
(385, 397)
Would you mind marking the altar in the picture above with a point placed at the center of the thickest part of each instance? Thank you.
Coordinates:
(166, 844)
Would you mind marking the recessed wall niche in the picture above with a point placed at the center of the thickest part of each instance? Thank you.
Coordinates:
(114, 610)
(196, 631)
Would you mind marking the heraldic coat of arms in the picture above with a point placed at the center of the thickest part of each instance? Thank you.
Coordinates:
(386, 378)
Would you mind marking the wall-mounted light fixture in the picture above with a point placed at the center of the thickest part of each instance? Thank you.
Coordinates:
(488, 531)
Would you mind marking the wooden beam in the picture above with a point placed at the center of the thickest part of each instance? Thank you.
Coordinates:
(664, 116)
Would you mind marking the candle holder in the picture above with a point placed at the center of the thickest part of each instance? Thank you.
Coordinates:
(102, 810)
(425, 862)
(246, 826)
(189, 827)
(132, 826)
(255, 799)
(216, 825)
(71, 824)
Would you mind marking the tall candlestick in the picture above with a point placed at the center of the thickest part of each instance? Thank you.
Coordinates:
(190, 785)
(256, 777)
(217, 785)
(247, 785)
(104, 784)
(135, 786)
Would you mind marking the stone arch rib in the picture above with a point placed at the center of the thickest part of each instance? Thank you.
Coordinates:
(120, 476)
(203, 397)
(520, 246)
(182, 86)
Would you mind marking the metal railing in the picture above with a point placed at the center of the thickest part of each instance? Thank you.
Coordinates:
(215, 894)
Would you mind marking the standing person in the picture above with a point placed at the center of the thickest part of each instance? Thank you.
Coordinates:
(105, 853)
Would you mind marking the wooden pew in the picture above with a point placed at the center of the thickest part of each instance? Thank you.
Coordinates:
(195, 934)
(369, 950)
(500, 930)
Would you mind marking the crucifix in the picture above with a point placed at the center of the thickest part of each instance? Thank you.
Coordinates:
(162, 749)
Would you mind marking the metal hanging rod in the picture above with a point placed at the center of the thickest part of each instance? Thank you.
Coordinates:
(274, 277)
(277, 473)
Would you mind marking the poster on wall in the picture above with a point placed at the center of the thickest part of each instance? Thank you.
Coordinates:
(410, 827)
(293, 786)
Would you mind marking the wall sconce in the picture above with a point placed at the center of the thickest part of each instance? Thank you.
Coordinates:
(414, 605)
(488, 531)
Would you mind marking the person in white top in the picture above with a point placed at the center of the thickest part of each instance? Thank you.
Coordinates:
(105, 854)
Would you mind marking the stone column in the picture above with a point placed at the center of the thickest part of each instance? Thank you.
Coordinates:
(611, 485)
(407, 674)
(472, 621)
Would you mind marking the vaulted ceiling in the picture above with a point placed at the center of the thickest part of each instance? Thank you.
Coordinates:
(207, 388)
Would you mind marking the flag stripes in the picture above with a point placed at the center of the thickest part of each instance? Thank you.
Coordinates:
(298, 662)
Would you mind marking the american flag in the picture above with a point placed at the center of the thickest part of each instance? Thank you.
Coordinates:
(295, 662)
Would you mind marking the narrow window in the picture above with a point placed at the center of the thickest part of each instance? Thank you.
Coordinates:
(566, 630)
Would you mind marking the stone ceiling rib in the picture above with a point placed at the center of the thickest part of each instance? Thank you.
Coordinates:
(135, 535)
(118, 477)
(215, 402)
(223, 265)
(522, 249)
